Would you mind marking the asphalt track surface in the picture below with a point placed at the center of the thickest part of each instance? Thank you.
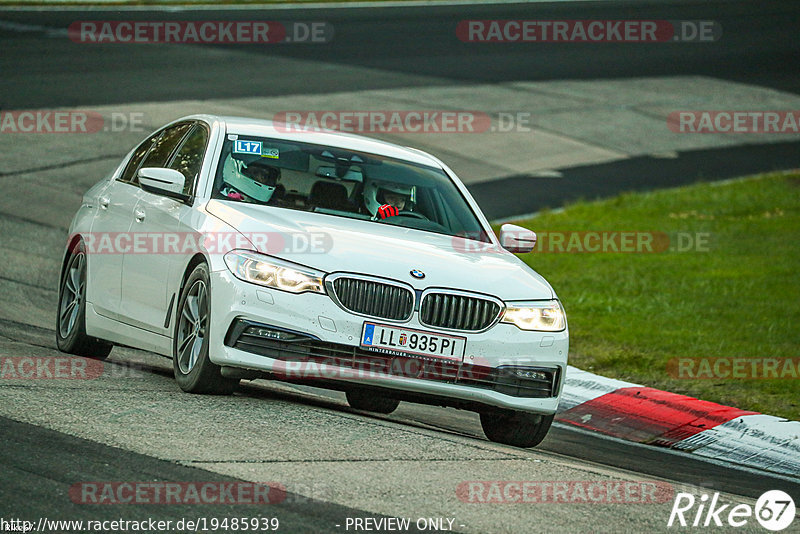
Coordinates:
(411, 45)
(40, 477)
(417, 47)
(405, 47)
(40, 465)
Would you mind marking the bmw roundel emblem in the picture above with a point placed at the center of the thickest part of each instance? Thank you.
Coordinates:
(416, 273)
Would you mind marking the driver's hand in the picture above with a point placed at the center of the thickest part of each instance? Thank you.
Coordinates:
(387, 210)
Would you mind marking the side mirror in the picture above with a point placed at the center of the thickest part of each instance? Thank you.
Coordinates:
(167, 182)
(516, 238)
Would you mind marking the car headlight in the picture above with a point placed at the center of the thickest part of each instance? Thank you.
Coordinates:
(544, 316)
(272, 272)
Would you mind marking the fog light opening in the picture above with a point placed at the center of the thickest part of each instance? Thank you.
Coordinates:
(527, 373)
(268, 333)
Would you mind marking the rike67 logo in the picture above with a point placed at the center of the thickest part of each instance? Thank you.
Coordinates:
(774, 510)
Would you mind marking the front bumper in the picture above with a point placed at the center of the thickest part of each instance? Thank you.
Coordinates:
(326, 351)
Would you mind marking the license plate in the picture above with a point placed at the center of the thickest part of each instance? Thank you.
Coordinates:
(405, 341)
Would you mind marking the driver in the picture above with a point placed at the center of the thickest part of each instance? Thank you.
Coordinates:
(387, 199)
(253, 182)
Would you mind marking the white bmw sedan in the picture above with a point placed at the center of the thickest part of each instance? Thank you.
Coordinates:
(247, 249)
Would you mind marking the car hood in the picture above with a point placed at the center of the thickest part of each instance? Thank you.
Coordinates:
(337, 244)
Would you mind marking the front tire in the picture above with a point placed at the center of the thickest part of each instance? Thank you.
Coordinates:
(371, 402)
(194, 371)
(71, 316)
(518, 429)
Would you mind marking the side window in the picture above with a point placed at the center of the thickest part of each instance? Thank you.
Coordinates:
(165, 145)
(189, 158)
(129, 174)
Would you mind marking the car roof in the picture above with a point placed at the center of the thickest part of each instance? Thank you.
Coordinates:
(332, 138)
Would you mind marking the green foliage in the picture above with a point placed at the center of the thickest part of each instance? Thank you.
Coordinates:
(737, 295)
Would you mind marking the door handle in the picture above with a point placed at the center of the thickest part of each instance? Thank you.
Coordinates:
(138, 214)
(104, 202)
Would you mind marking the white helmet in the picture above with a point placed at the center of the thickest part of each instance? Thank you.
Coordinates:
(374, 194)
(256, 179)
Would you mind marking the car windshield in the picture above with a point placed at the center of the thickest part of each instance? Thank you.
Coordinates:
(343, 183)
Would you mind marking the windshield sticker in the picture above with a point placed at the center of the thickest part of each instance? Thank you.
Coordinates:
(270, 153)
(247, 147)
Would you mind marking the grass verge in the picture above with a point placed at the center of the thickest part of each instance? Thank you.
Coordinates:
(733, 293)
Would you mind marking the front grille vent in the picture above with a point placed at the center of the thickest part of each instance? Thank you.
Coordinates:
(458, 312)
(374, 298)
